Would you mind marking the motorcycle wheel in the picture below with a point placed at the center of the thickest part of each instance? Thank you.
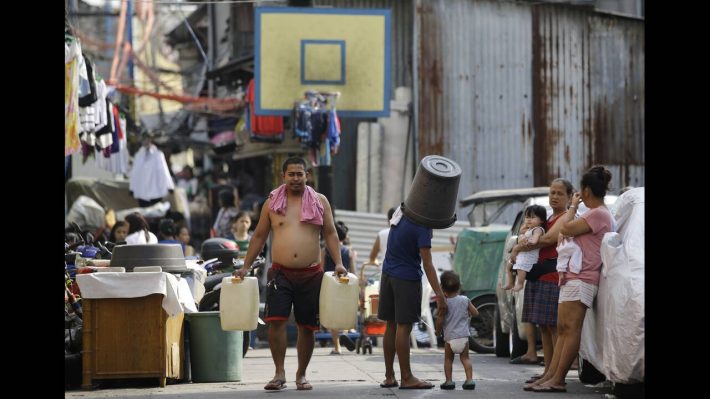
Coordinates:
(482, 326)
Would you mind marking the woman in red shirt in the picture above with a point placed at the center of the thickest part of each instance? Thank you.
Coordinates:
(541, 288)
(577, 290)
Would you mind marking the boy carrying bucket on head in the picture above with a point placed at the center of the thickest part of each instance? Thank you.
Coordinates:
(455, 327)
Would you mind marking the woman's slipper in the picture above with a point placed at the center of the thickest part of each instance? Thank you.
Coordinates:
(529, 387)
(389, 384)
(469, 385)
(541, 388)
(533, 379)
(448, 385)
(522, 360)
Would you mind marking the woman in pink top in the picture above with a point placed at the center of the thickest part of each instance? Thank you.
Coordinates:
(577, 291)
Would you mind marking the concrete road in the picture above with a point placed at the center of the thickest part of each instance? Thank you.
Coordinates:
(358, 376)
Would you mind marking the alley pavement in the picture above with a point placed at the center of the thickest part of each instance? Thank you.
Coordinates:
(352, 375)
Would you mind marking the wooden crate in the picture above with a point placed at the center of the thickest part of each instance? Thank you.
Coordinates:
(131, 338)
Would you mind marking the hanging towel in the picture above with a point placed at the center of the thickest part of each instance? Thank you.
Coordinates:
(396, 216)
(569, 256)
(311, 208)
(333, 131)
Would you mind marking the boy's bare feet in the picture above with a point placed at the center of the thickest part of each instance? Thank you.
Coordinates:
(518, 286)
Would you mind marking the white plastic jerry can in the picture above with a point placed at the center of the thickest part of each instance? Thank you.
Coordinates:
(338, 301)
(239, 303)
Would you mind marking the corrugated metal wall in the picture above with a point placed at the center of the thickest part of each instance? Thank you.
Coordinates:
(402, 31)
(474, 94)
(519, 94)
(589, 91)
(561, 89)
(618, 96)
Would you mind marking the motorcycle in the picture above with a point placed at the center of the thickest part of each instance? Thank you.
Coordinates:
(83, 245)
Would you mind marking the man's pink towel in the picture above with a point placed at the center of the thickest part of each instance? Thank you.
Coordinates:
(311, 207)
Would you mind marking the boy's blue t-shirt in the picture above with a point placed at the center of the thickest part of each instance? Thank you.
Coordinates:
(330, 263)
(402, 259)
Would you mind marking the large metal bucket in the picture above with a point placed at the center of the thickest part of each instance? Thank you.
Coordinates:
(168, 256)
(431, 201)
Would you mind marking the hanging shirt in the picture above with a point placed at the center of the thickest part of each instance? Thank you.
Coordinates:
(115, 157)
(150, 177)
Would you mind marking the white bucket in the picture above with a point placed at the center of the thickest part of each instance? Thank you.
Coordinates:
(239, 304)
(338, 301)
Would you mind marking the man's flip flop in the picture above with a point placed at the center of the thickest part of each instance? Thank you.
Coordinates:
(275, 385)
(304, 386)
(420, 385)
(389, 384)
(533, 379)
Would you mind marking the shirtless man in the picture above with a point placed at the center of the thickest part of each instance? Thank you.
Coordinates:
(296, 214)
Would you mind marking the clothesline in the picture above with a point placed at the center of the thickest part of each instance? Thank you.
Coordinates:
(174, 97)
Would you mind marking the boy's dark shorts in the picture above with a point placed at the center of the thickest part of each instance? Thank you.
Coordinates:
(297, 287)
(400, 300)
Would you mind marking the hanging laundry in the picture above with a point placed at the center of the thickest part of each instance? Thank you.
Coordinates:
(333, 132)
(324, 158)
(263, 128)
(311, 122)
(104, 136)
(150, 177)
(121, 158)
(89, 114)
(115, 157)
(87, 83)
(221, 134)
(72, 143)
(116, 130)
(302, 124)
